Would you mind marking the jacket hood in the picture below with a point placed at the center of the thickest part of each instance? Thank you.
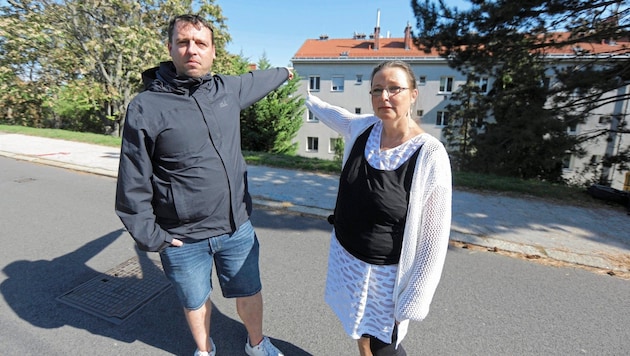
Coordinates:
(164, 79)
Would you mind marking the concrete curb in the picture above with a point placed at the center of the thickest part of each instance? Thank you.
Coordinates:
(527, 251)
(59, 164)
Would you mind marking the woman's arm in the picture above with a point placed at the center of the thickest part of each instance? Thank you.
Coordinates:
(335, 117)
(429, 223)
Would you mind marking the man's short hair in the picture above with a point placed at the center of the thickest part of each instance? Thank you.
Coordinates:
(194, 20)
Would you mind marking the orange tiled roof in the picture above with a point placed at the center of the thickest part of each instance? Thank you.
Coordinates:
(395, 47)
(358, 48)
(616, 47)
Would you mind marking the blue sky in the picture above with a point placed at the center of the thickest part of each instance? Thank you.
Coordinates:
(278, 28)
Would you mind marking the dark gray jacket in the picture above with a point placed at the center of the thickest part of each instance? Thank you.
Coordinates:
(181, 169)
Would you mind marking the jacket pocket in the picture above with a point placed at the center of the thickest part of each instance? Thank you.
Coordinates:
(163, 202)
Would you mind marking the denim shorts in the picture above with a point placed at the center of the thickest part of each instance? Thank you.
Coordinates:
(189, 267)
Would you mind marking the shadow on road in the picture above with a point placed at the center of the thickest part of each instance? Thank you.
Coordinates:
(31, 289)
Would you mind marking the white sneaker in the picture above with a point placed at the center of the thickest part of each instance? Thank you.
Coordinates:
(265, 348)
(206, 353)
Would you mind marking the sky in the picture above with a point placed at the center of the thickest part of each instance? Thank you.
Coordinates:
(278, 28)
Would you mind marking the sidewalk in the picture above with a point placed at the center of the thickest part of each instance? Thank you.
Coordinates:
(598, 238)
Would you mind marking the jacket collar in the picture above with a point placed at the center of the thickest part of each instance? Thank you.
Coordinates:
(164, 79)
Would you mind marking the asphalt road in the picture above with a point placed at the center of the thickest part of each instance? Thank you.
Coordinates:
(58, 230)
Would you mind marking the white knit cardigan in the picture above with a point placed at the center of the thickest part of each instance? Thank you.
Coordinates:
(427, 229)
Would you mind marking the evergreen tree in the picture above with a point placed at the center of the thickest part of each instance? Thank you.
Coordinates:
(271, 124)
(465, 122)
(510, 41)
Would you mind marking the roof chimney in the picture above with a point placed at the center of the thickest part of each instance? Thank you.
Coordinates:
(377, 30)
(408, 37)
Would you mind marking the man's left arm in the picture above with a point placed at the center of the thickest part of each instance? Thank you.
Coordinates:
(255, 85)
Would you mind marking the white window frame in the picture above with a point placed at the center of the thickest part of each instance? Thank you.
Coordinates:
(314, 82)
(359, 79)
(331, 144)
(422, 80)
(310, 117)
(312, 144)
(442, 118)
(446, 84)
(567, 162)
(336, 83)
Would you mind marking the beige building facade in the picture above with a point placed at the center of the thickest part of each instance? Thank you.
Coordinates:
(339, 70)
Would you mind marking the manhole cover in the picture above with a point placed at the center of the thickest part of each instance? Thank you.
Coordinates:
(118, 293)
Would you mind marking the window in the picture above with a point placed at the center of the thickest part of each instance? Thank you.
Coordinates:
(604, 120)
(334, 142)
(566, 162)
(311, 117)
(359, 79)
(337, 84)
(312, 144)
(546, 81)
(442, 118)
(313, 83)
(483, 84)
(419, 113)
(572, 128)
(446, 84)
(357, 110)
(422, 80)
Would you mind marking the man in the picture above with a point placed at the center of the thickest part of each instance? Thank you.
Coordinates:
(182, 180)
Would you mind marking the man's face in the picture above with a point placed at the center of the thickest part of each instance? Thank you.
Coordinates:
(191, 49)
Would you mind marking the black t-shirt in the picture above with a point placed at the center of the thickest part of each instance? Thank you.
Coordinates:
(371, 207)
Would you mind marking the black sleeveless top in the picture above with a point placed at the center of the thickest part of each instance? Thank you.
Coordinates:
(371, 207)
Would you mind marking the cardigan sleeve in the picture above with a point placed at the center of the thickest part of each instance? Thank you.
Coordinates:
(426, 235)
(335, 117)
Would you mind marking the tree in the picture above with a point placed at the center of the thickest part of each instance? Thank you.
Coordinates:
(465, 121)
(22, 82)
(271, 124)
(512, 41)
(46, 45)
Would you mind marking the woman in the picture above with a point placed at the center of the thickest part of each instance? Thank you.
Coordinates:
(392, 216)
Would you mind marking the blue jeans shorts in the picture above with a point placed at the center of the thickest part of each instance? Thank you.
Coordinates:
(189, 267)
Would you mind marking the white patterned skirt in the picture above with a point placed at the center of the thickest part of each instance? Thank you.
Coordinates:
(361, 294)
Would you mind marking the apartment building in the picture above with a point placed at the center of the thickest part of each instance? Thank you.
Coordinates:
(338, 71)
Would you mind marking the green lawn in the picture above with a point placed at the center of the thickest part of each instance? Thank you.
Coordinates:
(461, 180)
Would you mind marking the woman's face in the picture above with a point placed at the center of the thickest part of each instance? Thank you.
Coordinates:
(392, 97)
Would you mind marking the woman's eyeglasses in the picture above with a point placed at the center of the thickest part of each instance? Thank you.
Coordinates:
(391, 91)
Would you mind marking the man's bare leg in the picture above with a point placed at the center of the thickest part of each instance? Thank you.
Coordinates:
(199, 324)
(250, 309)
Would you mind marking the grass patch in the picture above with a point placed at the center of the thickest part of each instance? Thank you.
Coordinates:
(292, 162)
(525, 188)
(461, 180)
(85, 137)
